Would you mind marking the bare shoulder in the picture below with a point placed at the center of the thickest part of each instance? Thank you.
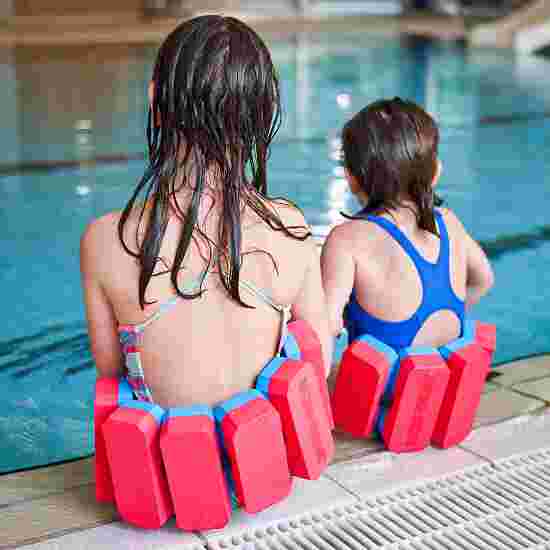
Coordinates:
(450, 217)
(289, 213)
(99, 246)
(452, 222)
(342, 234)
(100, 231)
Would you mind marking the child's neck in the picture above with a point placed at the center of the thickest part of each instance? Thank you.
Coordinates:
(404, 216)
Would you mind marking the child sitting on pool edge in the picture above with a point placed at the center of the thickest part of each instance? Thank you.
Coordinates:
(403, 270)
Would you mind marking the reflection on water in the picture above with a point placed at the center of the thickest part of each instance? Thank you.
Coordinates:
(79, 115)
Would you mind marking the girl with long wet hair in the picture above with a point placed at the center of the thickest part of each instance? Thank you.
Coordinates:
(195, 280)
(401, 269)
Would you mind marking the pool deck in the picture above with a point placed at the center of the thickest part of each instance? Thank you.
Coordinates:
(54, 508)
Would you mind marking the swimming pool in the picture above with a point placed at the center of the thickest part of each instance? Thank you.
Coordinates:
(86, 108)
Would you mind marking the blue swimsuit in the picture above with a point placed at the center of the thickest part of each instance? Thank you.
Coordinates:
(437, 293)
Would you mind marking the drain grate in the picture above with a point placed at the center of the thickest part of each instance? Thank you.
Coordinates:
(502, 506)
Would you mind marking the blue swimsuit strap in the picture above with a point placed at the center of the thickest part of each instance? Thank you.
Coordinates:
(410, 249)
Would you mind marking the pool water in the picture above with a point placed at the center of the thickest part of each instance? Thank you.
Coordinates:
(86, 109)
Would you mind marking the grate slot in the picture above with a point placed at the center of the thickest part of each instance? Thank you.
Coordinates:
(480, 534)
(349, 540)
(522, 484)
(462, 510)
(392, 530)
(358, 535)
(534, 523)
(529, 533)
(434, 514)
(475, 542)
(517, 535)
(500, 536)
(491, 494)
(417, 524)
(405, 528)
(472, 496)
(374, 536)
(330, 539)
(510, 488)
(428, 524)
(447, 541)
(382, 532)
(537, 484)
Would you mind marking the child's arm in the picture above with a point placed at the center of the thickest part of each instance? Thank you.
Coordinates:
(338, 272)
(310, 304)
(102, 324)
(479, 274)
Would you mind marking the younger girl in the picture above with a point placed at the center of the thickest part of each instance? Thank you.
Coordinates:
(404, 270)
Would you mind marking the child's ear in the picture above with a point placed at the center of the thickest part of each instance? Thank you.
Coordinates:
(438, 171)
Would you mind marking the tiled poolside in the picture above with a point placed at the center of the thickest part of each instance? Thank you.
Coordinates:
(54, 507)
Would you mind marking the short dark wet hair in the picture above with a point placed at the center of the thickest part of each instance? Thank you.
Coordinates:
(391, 148)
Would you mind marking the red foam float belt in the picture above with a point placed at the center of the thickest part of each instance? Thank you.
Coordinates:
(426, 395)
(160, 463)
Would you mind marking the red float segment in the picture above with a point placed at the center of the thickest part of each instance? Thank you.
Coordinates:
(132, 440)
(109, 394)
(360, 384)
(191, 453)
(253, 440)
(309, 350)
(292, 388)
(486, 337)
(407, 425)
(469, 365)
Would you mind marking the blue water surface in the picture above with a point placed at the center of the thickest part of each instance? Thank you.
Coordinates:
(493, 108)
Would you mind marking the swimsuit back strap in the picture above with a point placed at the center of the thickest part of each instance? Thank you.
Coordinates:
(444, 258)
(283, 310)
(192, 284)
(400, 238)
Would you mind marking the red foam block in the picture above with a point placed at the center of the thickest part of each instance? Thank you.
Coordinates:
(311, 351)
(141, 489)
(486, 337)
(419, 389)
(468, 367)
(359, 386)
(109, 394)
(253, 439)
(192, 459)
(291, 387)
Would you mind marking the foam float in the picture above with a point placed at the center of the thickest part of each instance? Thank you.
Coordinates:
(407, 423)
(364, 370)
(110, 393)
(253, 439)
(303, 344)
(469, 365)
(292, 388)
(140, 486)
(191, 454)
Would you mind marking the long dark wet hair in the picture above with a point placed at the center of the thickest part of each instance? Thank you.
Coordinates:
(390, 147)
(216, 106)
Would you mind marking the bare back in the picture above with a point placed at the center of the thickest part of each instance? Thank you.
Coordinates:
(207, 349)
